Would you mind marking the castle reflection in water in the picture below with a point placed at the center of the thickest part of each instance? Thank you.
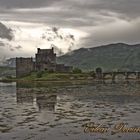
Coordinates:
(41, 101)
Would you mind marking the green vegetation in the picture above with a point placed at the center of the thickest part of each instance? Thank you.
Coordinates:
(39, 74)
(77, 70)
(46, 76)
(77, 74)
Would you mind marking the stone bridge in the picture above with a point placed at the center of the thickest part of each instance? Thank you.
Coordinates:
(113, 75)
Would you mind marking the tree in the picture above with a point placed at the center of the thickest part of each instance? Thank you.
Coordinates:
(39, 74)
(77, 70)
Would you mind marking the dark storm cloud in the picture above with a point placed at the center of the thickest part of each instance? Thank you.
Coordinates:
(18, 47)
(1, 44)
(12, 4)
(70, 12)
(127, 32)
(85, 15)
(5, 33)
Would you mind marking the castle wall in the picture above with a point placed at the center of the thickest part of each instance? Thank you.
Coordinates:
(24, 66)
(63, 68)
(45, 59)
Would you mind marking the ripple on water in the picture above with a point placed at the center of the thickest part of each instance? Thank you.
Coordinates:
(60, 113)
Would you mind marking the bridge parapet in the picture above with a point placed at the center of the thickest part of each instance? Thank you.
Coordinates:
(127, 75)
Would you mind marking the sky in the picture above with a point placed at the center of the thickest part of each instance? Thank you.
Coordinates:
(66, 24)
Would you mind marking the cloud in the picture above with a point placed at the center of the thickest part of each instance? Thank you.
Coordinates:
(1, 44)
(116, 32)
(28, 38)
(57, 50)
(5, 33)
(105, 21)
(25, 3)
(18, 47)
(69, 10)
(70, 13)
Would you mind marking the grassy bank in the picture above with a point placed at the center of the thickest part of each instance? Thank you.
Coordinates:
(45, 76)
(56, 76)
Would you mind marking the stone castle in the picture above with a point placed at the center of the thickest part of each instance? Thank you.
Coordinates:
(45, 59)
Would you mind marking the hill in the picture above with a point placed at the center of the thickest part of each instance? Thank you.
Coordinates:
(7, 71)
(110, 57)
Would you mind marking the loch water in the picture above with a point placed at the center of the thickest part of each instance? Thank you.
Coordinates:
(58, 111)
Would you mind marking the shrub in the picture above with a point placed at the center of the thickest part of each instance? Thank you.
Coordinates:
(92, 73)
(77, 70)
(8, 77)
(39, 74)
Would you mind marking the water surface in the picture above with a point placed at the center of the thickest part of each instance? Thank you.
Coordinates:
(59, 111)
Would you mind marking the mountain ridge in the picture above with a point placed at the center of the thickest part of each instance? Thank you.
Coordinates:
(111, 57)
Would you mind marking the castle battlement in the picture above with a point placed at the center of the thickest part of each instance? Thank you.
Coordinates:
(45, 59)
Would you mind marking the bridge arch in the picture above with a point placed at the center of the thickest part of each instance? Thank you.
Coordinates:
(132, 75)
(119, 76)
(107, 75)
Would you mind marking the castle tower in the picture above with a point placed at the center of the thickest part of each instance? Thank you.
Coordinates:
(45, 59)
